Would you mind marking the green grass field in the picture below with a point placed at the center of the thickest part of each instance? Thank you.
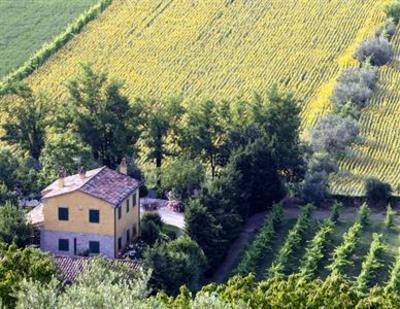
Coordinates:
(26, 24)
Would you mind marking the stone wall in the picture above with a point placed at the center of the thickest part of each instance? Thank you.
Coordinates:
(49, 242)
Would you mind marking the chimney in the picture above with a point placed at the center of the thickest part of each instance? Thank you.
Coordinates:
(82, 172)
(62, 173)
(123, 167)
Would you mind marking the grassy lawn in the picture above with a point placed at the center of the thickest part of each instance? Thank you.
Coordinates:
(25, 25)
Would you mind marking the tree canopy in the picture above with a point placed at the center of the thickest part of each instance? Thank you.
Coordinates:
(14, 228)
(102, 116)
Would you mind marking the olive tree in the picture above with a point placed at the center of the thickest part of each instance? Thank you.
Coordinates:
(334, 134)
(315, 185)
(379, 51)
(355, 85)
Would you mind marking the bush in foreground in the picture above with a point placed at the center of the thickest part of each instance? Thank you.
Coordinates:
(101, 285)
(105, 287)
(17, 265)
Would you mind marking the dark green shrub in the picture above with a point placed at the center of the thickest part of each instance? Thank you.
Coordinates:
(315, 187)
(14, 228)
(171, 234)
(7, 195)
(154, 217)
(174, 264)
(143, 191)
(149, 232)
(377, 191)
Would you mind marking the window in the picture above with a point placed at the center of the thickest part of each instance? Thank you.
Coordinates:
(94, 247)
(94, 215)
(63, 214)
(127, 205)
(119, 212)
(128, 236)
(134, 200)
(119, 243)
(63, 244)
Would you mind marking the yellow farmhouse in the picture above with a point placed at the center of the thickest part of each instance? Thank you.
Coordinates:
(93, 212)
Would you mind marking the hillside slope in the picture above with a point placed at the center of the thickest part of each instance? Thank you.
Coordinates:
(379, 155)
(223, 49)
(26, 25)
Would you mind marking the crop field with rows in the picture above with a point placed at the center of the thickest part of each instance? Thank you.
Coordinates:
(25, 25)
(220, 49)
(313, 246)
(225, 49)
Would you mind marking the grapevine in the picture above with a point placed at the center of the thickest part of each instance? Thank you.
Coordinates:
(262, 243)
(314, 252)
(292, 243)
(372, 262)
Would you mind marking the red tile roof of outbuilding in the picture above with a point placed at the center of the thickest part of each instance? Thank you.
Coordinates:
(69, 267)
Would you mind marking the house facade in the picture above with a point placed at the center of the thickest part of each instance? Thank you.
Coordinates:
(90, 213)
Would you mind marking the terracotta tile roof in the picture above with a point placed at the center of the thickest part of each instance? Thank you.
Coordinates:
(35, 216)
(103, 183)
(69, 267)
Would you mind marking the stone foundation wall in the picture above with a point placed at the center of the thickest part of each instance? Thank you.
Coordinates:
(49, 242)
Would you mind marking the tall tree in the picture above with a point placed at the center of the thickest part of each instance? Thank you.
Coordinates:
(161, 124)
(64, 150)
(203, 228)
(6, 195)
(103, 117)
(278, 114)
(28, 116)
(204, 135)
(9, 166)
(258, 180)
